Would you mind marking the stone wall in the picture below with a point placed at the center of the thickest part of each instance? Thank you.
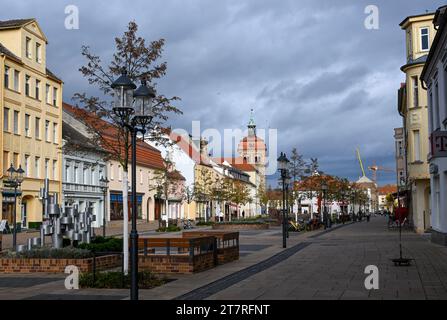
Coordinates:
(22, 265)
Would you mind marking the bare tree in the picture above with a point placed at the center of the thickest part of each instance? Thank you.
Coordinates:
(139, 60)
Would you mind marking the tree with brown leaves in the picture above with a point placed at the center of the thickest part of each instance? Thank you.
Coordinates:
(140, 60)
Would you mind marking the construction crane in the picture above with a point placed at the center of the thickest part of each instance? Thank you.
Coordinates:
(360, 161)
(375, 168)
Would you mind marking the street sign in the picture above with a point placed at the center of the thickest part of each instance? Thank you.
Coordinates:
(438, 140)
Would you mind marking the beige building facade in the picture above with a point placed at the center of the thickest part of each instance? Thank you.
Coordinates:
(413, 108)
(31, 117)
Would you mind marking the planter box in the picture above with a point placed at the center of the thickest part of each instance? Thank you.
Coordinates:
(233, 226)
(176, 263)
(23, 265)
(227, 243)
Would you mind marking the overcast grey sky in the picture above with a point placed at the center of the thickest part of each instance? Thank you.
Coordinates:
(308, 67)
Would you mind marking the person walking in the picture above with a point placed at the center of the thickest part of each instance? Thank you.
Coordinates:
(368, 216)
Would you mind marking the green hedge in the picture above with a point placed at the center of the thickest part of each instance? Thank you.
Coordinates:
(171, 228)
(203, 223)
(34, 225)
(50, 253)
(242, 222)
(101, 244)
(116, 280)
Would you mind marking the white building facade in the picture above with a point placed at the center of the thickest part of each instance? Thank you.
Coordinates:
(434, 76)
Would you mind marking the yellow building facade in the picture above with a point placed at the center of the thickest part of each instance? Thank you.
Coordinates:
(31, 117)
(413, 108)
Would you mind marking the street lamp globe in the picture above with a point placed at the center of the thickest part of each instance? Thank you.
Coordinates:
(19, 174)
(282, 161)
(123, 95)
(11, 172)
(143, 98)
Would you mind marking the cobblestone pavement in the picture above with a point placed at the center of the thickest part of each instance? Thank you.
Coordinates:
(332, 267)
(316, 265)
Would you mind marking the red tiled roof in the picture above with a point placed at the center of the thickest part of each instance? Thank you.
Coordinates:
(188, 147)
(387, 189)
(147, 155)
(237, 163)
(259, 143)
(176, 175)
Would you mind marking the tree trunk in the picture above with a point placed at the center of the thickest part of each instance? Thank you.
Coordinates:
(125, 223)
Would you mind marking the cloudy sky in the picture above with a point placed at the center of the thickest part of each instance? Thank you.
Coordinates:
(309, 68)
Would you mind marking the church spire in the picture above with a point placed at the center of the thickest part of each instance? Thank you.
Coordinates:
(251, 124)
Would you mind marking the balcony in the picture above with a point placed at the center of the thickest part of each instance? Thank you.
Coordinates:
(77, 187)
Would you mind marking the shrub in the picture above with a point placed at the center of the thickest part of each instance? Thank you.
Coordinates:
(101, 244)
(171, 228)
(51, 253)
(203, 223)
(116, 280)
(242, 222)
(34, 225)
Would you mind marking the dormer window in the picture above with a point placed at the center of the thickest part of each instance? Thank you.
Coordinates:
(28, 47)
(38, 53)
(424, 39)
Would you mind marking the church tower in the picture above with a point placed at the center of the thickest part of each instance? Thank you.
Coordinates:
(252, 149)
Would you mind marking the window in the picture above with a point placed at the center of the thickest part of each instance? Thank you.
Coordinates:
(55, 97)
(27, 77)
(93, 176)
(27, 130)
(6, 119)
(431, 110)
(437, 117)
(85, 176)
(16, 121)
(111, 171)
(414, 81)
(47, 162)
(54, 169)
(55, 140)
(26, 165)
(47, 129)
(47, 94)
(424, 39)
(37, 96)
(120, 174)
(67, 173)
(141, 176)
(37, 128)
(15, 159)
(76, 175)
(5, 161)
(37, 167)
(17, 80)
(399, 149)
(28, 47)
(38, 53)
(6, 77)
(417, 145)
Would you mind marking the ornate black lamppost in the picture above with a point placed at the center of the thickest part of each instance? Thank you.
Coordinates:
(103, 183)
(283, 164)
(135, 111)
(14, 180)
(324, 188)
(287, 183)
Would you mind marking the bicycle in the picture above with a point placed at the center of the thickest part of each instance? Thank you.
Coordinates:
(186, 224)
